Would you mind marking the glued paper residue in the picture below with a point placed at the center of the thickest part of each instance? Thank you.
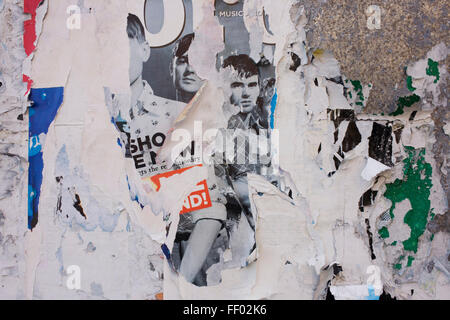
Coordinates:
(202, 150)
(164, 86)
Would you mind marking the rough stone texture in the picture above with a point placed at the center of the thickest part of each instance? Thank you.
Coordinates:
(409, 29)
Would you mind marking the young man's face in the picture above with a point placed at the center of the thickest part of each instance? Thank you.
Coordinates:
(185, 78)
(139, 53)
(244, 92)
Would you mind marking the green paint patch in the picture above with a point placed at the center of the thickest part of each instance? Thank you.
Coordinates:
(432, 237)
(355, 92)
(415, 186)
(405, 102)
(398, 265)
(409, 84)
(357, 86)
(384, 233)
(433, 69)
(394, 243)
(410, 260)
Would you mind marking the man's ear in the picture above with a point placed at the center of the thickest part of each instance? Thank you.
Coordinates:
(146, 51)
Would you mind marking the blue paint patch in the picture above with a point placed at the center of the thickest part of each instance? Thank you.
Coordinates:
(136, 198)
(59, 257)
(166, 251)
(34, 146)
(273, 105)
(31, 112)
(31, 197)
(119, 118)
(128, 183)
(45, 105)
(372, 295)
(62, 161)
(108, 222)
(119, 143)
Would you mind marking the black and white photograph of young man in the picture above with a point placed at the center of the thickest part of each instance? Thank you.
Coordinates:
(202, 236)
(185, 80)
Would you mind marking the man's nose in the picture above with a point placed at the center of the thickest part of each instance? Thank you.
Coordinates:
(189, 69)
(245, 92)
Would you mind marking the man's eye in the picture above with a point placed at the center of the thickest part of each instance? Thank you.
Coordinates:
(252, 84)
(237, 85)
(182, 60)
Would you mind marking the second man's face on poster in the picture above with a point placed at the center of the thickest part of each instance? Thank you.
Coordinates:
(185, 77)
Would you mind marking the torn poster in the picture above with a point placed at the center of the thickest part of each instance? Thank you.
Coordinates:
(42, 113)
(163, 82)
(211, 150)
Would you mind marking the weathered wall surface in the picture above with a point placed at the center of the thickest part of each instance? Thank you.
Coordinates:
(408, 30)
(362, 116)
(14, 151)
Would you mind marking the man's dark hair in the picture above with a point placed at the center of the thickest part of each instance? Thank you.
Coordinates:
(243, 64)
(135, 29)
(182, 45)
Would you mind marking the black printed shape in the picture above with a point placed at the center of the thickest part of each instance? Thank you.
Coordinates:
(380, 144)
(367, 199)
(77, 205)
(352, 137)
(338, 162)
(337, 80)
(370, 235)
(339, 115)
(296, 61)
(398, 134)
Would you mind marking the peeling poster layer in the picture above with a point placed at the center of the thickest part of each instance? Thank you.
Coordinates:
(207, 150)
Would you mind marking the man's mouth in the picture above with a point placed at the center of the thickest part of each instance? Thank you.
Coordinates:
(190, 80)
